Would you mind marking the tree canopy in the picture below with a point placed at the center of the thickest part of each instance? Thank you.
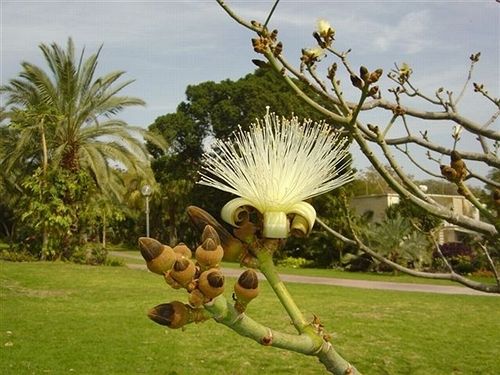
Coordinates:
(210, 110)
(62, 134)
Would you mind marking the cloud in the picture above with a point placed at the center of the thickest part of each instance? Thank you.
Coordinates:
(408, 35)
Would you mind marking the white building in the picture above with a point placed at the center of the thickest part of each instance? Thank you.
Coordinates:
(376, 205)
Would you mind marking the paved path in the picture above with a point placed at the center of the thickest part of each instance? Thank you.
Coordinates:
(365, 284)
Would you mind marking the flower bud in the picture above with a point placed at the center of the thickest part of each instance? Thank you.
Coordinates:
(278, 49)
(325, 31)
(373, 91)
(159, 258)
(404, 72)
(183, 250)
(458, 165)
(173, 315)
(196, 298)
(209, 254)
(233, 248)
(261, 64)
(449, 173)
(356, 81)
(331, 71)
(211, 283)
(210, 233)
(364, 73)
(246, 289)
(375, 76)
(183, 272)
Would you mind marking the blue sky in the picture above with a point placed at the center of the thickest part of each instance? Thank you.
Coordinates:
(166, 45)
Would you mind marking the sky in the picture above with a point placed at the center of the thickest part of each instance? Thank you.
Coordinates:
(167, 45)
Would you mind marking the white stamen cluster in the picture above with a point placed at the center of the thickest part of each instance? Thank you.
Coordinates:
(278, 163)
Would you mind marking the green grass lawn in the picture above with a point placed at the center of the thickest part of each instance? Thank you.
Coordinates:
(64, 318)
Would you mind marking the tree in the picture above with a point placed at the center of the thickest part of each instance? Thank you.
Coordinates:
(349, 115)
(64, 118)
(264, 195)
(210, 110)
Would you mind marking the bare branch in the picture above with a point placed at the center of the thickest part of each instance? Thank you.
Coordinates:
(489, 159)
(492, 264)
(489, 288)
(467, 81)
(415, 163)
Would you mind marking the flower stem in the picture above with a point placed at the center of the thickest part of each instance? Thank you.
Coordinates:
(266, 266)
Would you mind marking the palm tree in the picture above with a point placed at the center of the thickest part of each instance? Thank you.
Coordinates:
(64, 118)
(71, 112)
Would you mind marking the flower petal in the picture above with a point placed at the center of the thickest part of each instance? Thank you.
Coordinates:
(231, 209)
(276, 224)
(306, 211)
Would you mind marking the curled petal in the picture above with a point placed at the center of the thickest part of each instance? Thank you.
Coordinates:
(275, 225)
(232, 210)
(305, 211)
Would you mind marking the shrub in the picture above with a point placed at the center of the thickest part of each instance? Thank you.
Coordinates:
(295, 262)
(17, 256)
(90, 253)
(461, 257)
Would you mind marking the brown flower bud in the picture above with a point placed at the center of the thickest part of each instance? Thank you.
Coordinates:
(356, 82)
(210, 233)
(331, 71)
(150, 248)
(233, 248)
(475, 57)
(209, 254)
(261, 64)
(273, 35)
(173, 315)
(183, 250)
(196, 298)
(211, 283)
(278, 49)
(260, 45)
(458, 165)
(373, 91)
(246, 289)
(375, 76)
(183, 271)
(373, 128)
(449, 173)
(159, 258)
(364, 73)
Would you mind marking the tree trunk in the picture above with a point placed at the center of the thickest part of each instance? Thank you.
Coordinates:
(45, 163)
(104, 231)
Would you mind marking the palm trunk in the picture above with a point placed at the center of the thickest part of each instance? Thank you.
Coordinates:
(104, 231)
(45, 163)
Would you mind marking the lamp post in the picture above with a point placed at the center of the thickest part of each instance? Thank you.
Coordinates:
(146, 191)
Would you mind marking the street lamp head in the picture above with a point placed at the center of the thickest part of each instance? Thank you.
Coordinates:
(146, 190)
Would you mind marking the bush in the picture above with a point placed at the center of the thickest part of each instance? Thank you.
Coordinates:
(90, 253)
(114, 262)
(461, 257)
(291, 262)
(17, 256)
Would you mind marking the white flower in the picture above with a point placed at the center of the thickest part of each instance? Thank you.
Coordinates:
(457, 132)
(314, 53)
(324, 28)
(274, 167)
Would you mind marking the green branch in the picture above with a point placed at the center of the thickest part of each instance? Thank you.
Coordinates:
(266, 266)
(304, 343)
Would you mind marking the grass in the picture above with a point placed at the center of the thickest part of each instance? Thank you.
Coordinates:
(59, 318)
